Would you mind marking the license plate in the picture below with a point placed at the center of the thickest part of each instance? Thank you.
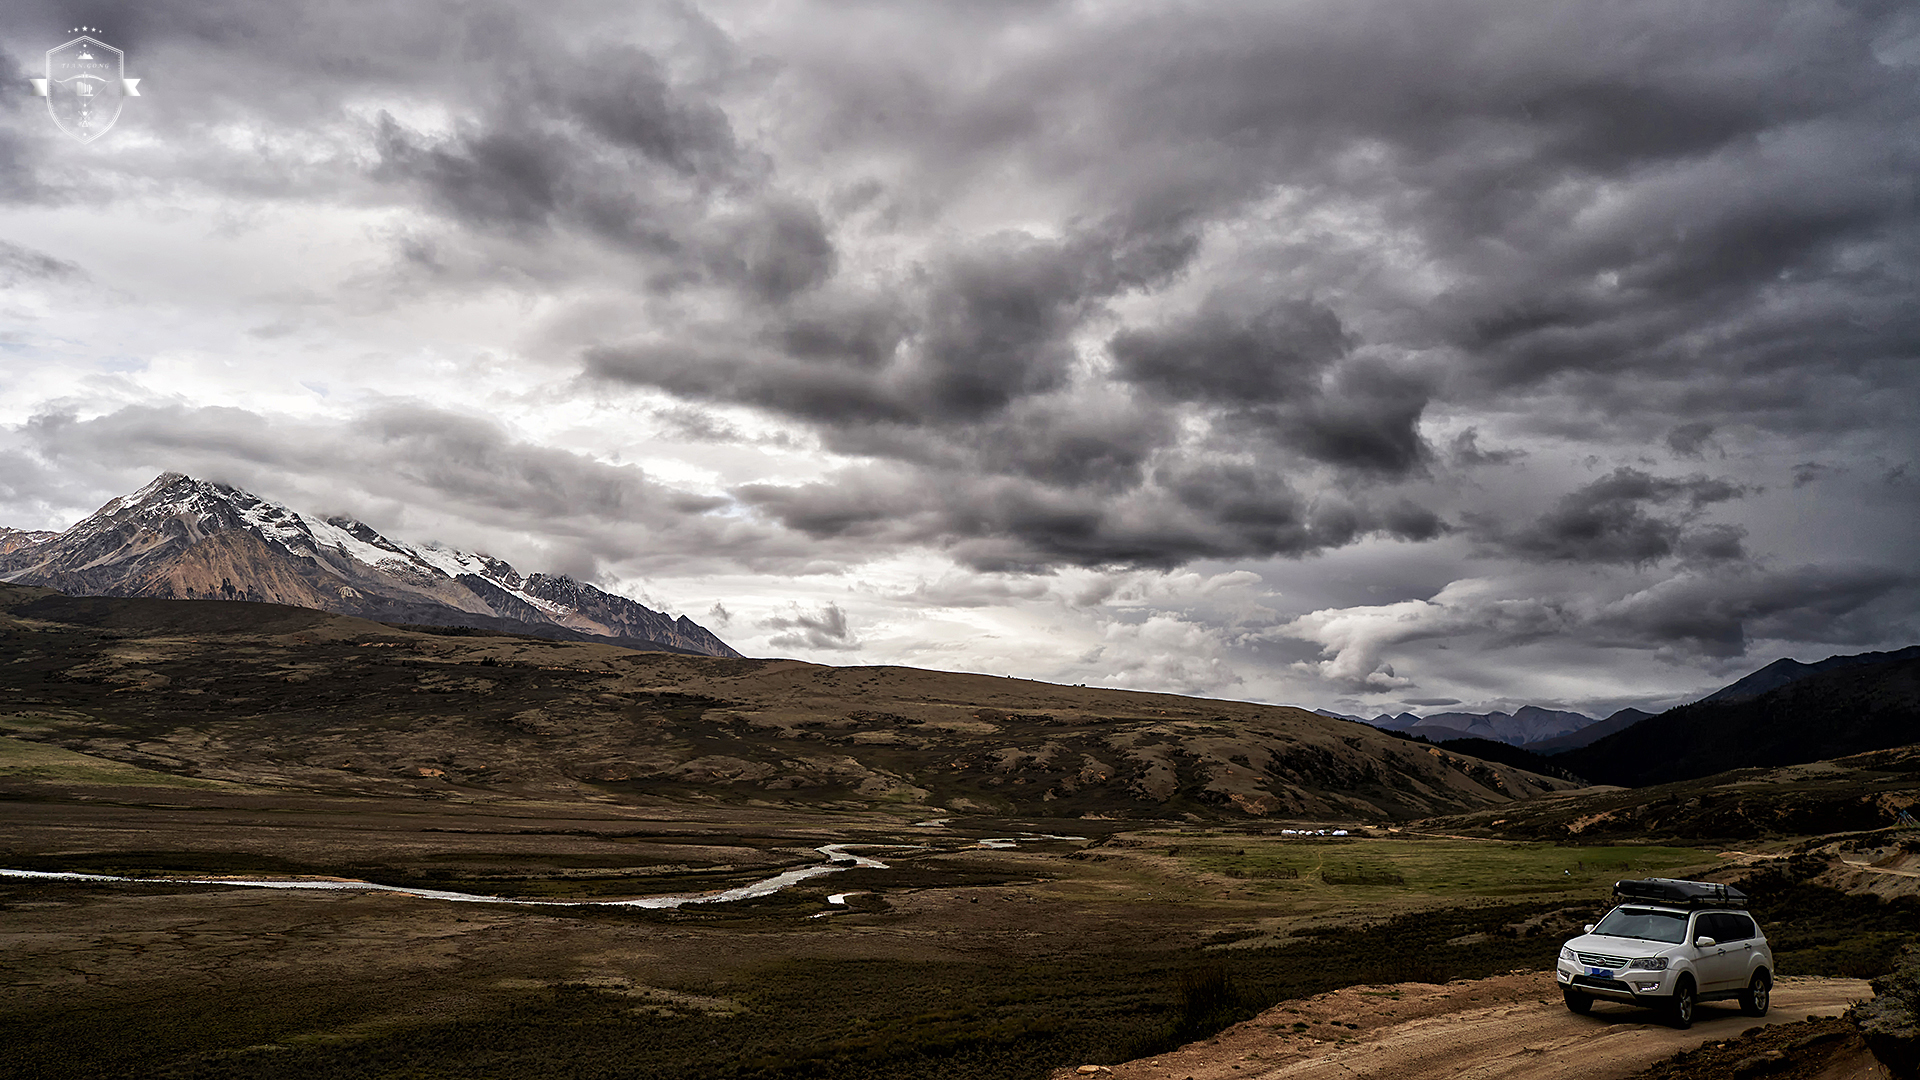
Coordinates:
(1603, 973)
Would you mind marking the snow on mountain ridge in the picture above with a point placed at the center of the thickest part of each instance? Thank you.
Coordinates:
(306, 536)
(453, 562)
(356, 540)
(375, 551)
(289, 530)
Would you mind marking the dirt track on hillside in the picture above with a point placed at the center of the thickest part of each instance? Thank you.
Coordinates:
(1509, 1027)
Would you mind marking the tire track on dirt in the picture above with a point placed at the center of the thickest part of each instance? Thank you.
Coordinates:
(1508, 1027)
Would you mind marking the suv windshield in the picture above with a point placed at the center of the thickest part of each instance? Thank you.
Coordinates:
(1649, 923)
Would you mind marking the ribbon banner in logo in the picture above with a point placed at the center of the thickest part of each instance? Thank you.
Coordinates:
(85, 87)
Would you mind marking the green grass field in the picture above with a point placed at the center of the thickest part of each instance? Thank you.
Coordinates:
(33, 761)
(1420, 871)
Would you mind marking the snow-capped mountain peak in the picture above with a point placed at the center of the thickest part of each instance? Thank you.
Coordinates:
(183, 537)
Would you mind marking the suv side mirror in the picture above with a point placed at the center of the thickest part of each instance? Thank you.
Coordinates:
(1587, 929)
(1704, 942)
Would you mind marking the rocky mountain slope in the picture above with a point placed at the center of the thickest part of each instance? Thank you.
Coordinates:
(191, 539)
(266, 694)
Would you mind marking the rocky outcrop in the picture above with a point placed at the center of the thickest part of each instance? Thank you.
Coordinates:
(15, 543)
(1890, 1023)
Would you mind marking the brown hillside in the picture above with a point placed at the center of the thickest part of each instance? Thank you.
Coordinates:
(264, 693)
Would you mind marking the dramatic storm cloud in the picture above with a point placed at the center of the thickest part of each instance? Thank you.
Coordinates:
(1355, 355)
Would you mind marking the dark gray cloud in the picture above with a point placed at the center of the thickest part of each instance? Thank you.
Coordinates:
(35, 488)
(1368, 420)
(491, 122)
(594, 148)
(1279, 368)
(618, 93)
(1609, 521)
(1232, 352)
(1089, 442)
(478, 462)
(781, 250)
(1465, 452)
(19, 264)
(1808, 472)
(1180, 512)
(996, 323)
(1688, 440)
(1557, 183)
(1719, 614)
(823, 629)
(984, 326)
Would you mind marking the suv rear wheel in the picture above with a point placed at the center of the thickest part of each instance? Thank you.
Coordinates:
(1758, 995)
(1578, 1002)
(1680, 1012)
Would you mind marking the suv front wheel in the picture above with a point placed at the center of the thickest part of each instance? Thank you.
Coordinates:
(1680, 1012)
(1578, 1002)
(1758, 995)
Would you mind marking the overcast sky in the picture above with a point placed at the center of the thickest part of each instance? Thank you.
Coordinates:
(1351, 354)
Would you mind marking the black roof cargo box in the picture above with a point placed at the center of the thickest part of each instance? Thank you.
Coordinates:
(1677, 893)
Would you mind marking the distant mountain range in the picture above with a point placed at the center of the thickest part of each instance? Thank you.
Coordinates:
(1544, 731)
(1599, 729)
(1548, 732)
(183, 538)
(1787, 713)
(1842, 709)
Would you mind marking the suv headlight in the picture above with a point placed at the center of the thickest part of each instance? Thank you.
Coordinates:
(1648, 963)
(1567, 954)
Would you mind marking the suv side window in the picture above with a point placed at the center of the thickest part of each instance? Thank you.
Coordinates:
(1723, 926)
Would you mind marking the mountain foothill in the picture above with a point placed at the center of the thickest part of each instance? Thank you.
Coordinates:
(292, 698)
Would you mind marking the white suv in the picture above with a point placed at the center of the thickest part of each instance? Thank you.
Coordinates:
(1668, 945)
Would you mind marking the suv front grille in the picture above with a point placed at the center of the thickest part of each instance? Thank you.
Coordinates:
(1597, 960)
(1602, 984)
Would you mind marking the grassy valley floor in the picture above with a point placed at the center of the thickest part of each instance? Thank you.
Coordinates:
(957, 960)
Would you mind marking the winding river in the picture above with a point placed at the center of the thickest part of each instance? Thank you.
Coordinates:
(838, 857)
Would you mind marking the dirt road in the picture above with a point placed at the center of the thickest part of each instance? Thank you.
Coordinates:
(1870, 868)
(1510, 1027)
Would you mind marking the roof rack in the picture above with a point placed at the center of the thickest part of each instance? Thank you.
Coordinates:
(1676, 893)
